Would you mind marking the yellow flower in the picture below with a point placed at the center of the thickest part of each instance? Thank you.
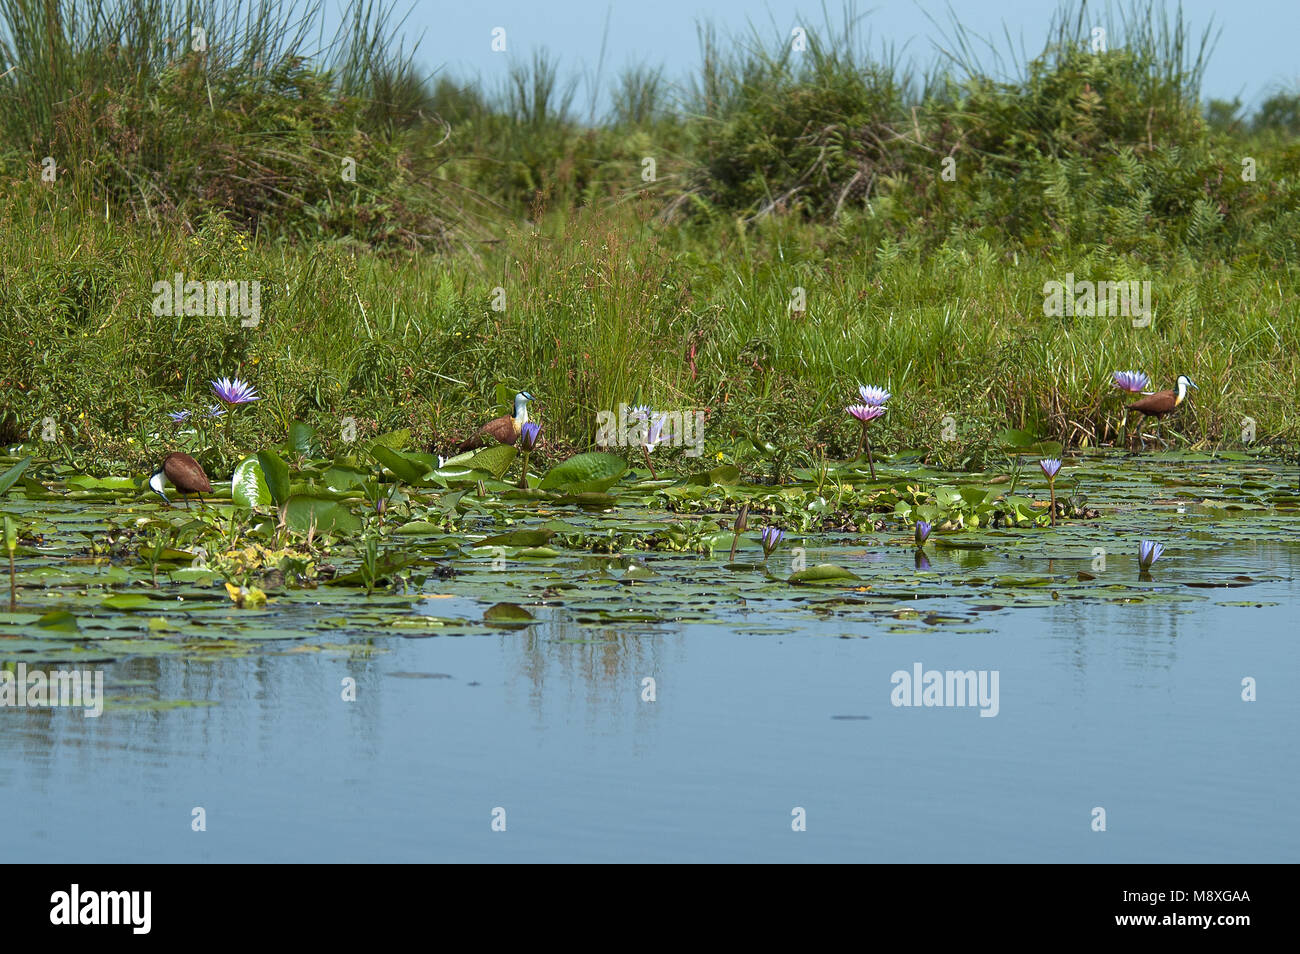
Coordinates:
(719, 455)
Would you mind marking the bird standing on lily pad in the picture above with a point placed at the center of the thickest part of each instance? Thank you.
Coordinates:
(504, 430)
(184, 473)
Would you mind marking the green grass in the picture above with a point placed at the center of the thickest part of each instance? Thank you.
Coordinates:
(821, 173)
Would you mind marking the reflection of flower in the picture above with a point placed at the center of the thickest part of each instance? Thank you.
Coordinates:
(1135, 382)
(1148, 552)
(922, 532)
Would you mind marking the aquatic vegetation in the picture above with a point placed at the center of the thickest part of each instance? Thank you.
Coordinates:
(1149, 551)
(771, 539)
(866, 413)
(1050, 469)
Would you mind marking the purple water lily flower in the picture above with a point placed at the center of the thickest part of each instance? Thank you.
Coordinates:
(234, 391)
(1134, 382)
(529, 435)
(1148, 552)
(638, 412)
(771, 539)
(655, 434)
(216, 410)
(1050, 467)
(178, 416)
(922, 532)
(873, 396)
(865, 412)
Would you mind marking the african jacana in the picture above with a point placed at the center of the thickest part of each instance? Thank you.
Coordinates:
(184, 473)
(1163, 403)
(505, 429)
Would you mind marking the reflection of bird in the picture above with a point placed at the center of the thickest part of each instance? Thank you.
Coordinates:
(505, 429)
(184, 473)
(1163, 403)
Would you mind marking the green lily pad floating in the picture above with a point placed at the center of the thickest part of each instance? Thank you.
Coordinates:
(592, 472)
(725, 475)
(589, 501)
(128, 601)
(518, 538)
(59, 621)
(823, 573)
(248, 487)
(508, 615)
(327, 516)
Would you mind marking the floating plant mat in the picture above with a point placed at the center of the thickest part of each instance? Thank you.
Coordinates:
(104, 573)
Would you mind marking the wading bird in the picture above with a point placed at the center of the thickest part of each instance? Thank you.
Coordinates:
(1163, 403)
(505, 429)
(184, 473)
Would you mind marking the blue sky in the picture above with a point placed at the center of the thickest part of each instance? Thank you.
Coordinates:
(1255, 52)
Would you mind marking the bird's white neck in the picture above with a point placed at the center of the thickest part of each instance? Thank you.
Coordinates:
(1182, 392)
(521, 411)
(157, 482)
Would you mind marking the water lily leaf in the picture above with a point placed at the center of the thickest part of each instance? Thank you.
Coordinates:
(518, 538)
(328, 516)
(725, 475)
(8, 478)
(303, 440)
(493, 460)
(393, 440)
(590, 501)
(128, 601)
(508, 615)
(276, 474)
(59, 621)
(404, 467)
(595, 471)
(248, 485)
(823, 573)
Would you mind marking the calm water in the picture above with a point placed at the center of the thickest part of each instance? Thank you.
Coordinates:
(1135, 708)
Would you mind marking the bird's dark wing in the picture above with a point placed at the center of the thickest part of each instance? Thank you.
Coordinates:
(186, 474)
(501, 430)
(1162, 402)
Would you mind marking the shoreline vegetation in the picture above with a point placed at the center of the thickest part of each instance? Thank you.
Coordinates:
(754, 242)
